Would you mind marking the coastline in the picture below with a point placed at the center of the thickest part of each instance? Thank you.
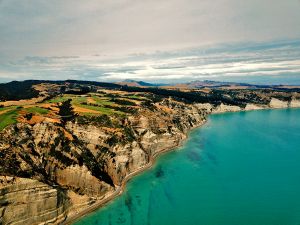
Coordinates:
(70, 220)
(72, 168)
(75, 217)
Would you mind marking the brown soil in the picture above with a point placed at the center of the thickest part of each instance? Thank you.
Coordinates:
(91, 100)
(84, 110)
(22, 102)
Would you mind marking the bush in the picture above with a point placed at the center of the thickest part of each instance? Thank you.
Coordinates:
(123, 102)
(101, 120)
(28, 116)
(66, 111)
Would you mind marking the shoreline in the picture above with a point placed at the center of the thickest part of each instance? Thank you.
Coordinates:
(122, 187)
(149, 165)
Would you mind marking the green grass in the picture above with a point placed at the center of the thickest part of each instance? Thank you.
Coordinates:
(100, 109)
(59, 99)
(75, 99)
(78, 99)
(8, 107)
(8, 118)
(135, 97)
(37, 110)
(102, 101)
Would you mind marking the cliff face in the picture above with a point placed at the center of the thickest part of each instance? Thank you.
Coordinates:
(73, 166)
(273, 104)
(147, 133)
(294, 103)
(52, 170)
(27, 201)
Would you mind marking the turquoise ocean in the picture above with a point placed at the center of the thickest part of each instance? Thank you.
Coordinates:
(238, 169)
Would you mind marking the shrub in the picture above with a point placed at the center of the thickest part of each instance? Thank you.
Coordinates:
(123, 102)
(66, 111)
(28, 116)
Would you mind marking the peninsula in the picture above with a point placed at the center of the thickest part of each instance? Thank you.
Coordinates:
(67, 147)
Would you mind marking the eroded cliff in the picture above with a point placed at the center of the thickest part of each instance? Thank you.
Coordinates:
(52, 168)
(82, 161)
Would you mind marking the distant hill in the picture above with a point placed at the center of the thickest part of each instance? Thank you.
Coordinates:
(230, 85)
(135, 83)
(210, 83)
(191, 84)
(17, 90)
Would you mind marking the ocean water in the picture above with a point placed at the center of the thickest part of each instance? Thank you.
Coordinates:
(239, 169)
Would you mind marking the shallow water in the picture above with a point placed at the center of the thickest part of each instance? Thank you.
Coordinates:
(239, 169)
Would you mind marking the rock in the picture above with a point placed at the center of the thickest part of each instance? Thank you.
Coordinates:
(294, 103)
(250, 106)
(226, 108)
(277, 104)
(27, 201)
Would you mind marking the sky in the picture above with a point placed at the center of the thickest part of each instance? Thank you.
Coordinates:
(166, 41)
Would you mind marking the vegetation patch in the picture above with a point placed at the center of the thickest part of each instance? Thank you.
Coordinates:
(78, 99)
(102, 120)
(37, 110)
(101, 109)
(102, 101)
(135, 97)
(3, 108)
(59, 99)
(123, 102)
(8, 118)
(16, 90)
(66, 111)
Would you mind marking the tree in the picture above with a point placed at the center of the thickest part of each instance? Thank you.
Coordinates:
(63, 89)
(66, 111)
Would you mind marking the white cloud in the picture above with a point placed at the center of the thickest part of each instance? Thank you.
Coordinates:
(171, 40)
(46, 28)
(223, 62)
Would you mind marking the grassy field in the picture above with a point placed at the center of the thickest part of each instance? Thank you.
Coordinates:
(101, 109)
(37, 110)
(8, 118)
(75, 99)
(78, 99)
(60, 99)
(7, 108)
(83, 102)
(102, 100)
(96, 103)
(135, 97)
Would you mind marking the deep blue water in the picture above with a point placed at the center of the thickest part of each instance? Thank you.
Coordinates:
(239, 169)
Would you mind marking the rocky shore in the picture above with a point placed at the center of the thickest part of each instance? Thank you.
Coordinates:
(73, 186)
(276, 104)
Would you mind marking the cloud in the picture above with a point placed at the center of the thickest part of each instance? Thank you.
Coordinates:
(222, 62)
(45, 28)
(171, 40)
